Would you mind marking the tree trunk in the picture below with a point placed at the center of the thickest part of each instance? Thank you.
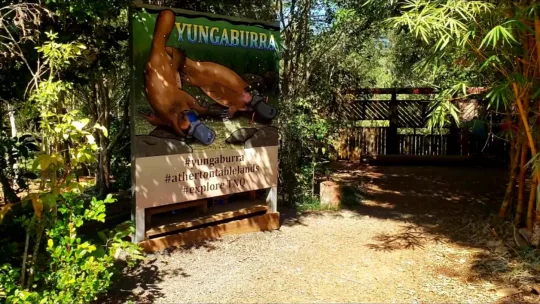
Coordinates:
(11, 114)
(104, 163)
(106, 144)
(9, 194)
(25, 256)
(104, 177)
(39, 234)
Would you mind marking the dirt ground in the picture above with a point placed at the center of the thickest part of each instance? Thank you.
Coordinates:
(407, 234)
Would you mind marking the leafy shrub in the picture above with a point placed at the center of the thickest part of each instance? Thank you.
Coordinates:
(57, 265)
(74, 270)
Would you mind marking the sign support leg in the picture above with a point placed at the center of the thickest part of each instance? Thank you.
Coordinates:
(271, 199)
(140, 231)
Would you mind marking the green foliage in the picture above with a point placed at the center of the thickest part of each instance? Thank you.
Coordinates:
(488, 44)
(76, 270)
(451, 28)
(121, 159)
(442, 22)
(329, 47)
(13, 151)
(70, 268)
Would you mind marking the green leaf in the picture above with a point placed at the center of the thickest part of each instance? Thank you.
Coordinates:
(109, 199)
(498, 34)
(102, 128)
(90, 139)
(50, 243)
(102, 236)
(79, 125)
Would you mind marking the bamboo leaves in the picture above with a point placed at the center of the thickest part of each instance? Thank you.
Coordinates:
(500, 96)
(442, 23)
(500, 34)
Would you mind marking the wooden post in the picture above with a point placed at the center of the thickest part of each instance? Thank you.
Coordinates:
(137, 214)
(140, 227)
(392, 143)
(271, 199)
(330, 194)
(454, 140)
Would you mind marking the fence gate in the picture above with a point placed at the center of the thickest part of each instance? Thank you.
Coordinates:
(397, 126)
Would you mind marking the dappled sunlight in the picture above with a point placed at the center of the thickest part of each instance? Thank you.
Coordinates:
(440, 206)
(368, 202)
(376, 189)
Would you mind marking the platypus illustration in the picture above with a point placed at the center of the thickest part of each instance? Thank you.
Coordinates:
(225, 87)
(172, 106)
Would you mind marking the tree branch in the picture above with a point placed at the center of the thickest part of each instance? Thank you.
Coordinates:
(123, 127)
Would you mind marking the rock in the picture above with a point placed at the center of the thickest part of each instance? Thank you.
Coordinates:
(147, 146)
(263, 138)
(506, 292)
(240, 136)
(165, 132)
(120, 255)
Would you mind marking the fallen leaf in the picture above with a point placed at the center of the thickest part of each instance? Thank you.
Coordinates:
(505, 292)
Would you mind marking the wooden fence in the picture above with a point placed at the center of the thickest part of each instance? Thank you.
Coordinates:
(398, 127)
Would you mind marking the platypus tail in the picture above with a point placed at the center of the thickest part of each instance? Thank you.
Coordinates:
(163, 28)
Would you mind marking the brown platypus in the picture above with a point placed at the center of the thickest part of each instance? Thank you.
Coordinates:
(172, 106)
(225, 87)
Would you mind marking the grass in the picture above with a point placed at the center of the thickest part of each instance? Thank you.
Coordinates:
(313, 203)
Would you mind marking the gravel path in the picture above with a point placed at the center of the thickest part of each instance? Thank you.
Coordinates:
(406, 241)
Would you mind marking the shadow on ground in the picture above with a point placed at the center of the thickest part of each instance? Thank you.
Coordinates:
(451, 204)
(446, 204)
(140, 283)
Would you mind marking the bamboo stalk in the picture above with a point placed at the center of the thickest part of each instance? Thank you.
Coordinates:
(537, 34)
(511, 181)
(535, 221)
(524, 119)
(535, 234)
(521, 183)
(531, 206)
(523, 159)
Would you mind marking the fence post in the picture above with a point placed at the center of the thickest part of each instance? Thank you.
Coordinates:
(454, 142)
(392, 140)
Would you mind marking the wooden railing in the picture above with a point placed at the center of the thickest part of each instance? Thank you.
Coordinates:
(377, 126)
